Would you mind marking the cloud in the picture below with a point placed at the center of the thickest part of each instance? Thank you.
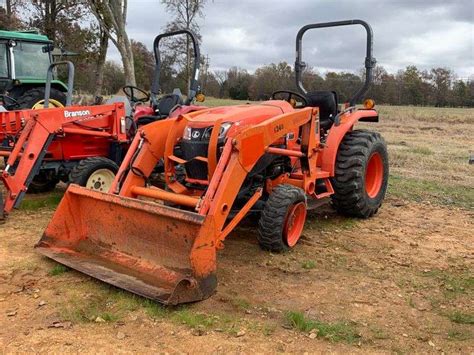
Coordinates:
(251, 33)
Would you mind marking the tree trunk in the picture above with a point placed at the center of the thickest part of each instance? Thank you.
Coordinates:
(99, 76)
(9, 9)
(125, 49)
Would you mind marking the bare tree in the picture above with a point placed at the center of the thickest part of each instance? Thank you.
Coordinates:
(185, 12)
(47, 14)
(112, 17)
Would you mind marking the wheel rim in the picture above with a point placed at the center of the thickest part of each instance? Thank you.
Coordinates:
(52, 103)
(374, 175)
(100, 180)
(294, 223)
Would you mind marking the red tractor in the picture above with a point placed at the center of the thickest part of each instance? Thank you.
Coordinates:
(81, 144)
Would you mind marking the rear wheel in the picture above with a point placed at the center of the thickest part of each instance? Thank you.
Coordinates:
(96, 173)
(282, 220)
(361, 175)
(34, 98)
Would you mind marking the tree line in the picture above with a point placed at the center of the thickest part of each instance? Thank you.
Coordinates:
(86, 26)
(410, 86)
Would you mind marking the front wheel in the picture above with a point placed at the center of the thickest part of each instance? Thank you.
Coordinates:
(361, 175)
(96, 173)
(282, 219)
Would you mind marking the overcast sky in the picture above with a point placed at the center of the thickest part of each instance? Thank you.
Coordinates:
(251, 33)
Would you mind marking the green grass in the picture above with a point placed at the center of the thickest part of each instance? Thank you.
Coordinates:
(421, 190)
(461, 318)
(459, 335)
(58, 269)
(452, 284)
(422, 151)
(112, 304)
(268, 329)
(193, 319)
(214, 102)
(34, 203)
(335, 332)
(80, 310)
(309, 264)
(241, 304)
(331, 223)
(379, 333)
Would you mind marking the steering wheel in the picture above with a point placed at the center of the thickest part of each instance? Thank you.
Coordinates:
(133, 94)
(289, 97)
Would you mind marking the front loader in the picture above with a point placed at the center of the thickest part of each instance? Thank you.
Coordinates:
(159, 239)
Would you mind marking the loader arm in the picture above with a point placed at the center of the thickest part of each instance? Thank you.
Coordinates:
(162, 244)
(40, 129)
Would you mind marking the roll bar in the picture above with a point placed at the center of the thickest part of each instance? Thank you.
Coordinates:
(369, 59)
(70, 82)
(155, 87)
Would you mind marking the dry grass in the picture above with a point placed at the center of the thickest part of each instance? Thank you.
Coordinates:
(429, 153)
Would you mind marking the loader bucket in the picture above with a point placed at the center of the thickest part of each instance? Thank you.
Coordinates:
(140, 246)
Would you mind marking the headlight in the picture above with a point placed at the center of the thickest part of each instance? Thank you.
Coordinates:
(222, 131)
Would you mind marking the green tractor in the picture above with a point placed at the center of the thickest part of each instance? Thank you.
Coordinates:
(24, 61)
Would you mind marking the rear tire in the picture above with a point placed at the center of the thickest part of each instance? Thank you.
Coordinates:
(95, 173)
(361, 175)
(282, 219)
(35, 97)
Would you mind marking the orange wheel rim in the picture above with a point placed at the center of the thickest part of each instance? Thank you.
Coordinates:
(294, 223)
(374, 175)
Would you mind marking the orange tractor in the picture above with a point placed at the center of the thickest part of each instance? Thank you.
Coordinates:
(159, 239)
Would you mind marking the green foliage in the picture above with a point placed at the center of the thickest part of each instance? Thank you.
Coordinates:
(144, 63)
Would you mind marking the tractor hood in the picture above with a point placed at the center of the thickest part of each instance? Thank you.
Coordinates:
(242, 115)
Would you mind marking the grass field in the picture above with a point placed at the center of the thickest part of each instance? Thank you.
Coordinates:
(400, 282)
(429, 151)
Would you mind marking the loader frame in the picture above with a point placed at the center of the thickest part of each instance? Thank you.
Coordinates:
(38, 129)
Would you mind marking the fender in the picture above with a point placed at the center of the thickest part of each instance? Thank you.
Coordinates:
(337, 133)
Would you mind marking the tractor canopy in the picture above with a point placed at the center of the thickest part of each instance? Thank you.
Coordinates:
(24, 60)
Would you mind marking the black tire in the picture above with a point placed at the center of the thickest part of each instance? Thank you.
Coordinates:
(81, 173)
(43, 182)
(351, 197)
(273, 217)
(32, 96)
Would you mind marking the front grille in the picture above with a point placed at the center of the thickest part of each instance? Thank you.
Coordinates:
(195, 169)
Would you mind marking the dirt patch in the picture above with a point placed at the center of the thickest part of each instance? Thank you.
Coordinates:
(401, 281)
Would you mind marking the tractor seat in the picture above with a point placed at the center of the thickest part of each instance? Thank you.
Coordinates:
(163, 109)
(166, 104)
(327, 103)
